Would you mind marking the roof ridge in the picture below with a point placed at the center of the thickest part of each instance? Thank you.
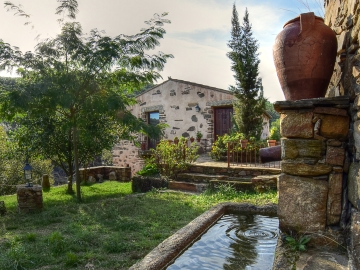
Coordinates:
(187, 82)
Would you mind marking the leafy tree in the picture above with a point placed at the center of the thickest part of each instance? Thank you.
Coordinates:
(12, 163)
(250, 104)
(274, 114)
(72, 99)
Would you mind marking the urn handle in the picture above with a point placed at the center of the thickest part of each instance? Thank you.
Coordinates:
(307, 21)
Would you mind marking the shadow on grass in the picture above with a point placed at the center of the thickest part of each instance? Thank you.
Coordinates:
(125, 226)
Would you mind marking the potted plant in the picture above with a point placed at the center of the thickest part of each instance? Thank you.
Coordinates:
(274, 133)
(198, 136)
(192, 139)
(176, 140)
(271, 143)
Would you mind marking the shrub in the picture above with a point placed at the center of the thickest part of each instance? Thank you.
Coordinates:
(145, 184)
(275, 130)
(220, 146)
(149, 169)
(12, 163)
(171, 158)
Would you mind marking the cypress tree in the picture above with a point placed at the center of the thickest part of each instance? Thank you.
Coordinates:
(250, 104)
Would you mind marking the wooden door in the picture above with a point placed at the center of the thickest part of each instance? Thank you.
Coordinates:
(222, 123)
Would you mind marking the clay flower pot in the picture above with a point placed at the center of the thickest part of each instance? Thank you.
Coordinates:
(192, 139)
(271, 143)
(304, 56)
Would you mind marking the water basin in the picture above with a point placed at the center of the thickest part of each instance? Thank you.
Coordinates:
(235, 241)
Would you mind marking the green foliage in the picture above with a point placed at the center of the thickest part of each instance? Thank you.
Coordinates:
(270, 110)
(12, 161)
(220, 146)
(72, 99)
(149, 169)
(297, 243)
(107, 157)
(250, 104)
(199, 135)
(275, 131)
(173, 158)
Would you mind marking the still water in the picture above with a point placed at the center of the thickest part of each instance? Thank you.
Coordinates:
(235, 241)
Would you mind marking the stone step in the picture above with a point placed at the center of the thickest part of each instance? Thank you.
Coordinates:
(206, 178)
(195, 182)
(187, 186)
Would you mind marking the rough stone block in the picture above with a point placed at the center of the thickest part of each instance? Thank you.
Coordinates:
(355, 239)
(333, 142)
(353, 184)
(112, 176)
(302, 204)
(330, 110)
(356, 133)
(294, 148)
(182, 186)
(334, 199)
(335, 155)
(334, 127)
(302, 169)
(297, 125)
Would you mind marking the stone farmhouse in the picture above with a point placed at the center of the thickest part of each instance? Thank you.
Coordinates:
(187, 108)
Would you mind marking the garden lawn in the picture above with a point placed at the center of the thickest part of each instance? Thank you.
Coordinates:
(111, 229)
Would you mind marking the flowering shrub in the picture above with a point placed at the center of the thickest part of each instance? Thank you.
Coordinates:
(220, 146)
(172, 158)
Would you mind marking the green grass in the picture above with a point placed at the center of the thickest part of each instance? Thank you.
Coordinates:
(108, 229)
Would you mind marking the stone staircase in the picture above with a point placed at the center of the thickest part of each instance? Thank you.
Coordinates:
(199, 177)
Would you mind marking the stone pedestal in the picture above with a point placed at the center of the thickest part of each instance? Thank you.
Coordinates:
(314, 133)
(29, 198)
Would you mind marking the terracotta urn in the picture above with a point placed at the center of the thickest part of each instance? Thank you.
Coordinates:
(304, 55)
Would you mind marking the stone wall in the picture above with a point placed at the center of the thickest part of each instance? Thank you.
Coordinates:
(314, 134)
(106, 173)
(343, 18)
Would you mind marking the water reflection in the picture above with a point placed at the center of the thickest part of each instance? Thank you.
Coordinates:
(236, 241)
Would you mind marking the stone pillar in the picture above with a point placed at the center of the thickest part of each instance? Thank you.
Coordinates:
(314, 133)
(45, 183)
(29, 198)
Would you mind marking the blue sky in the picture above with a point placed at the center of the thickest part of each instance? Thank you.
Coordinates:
(197, 35)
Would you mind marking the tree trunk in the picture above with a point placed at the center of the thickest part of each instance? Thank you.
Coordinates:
(70, 169)
(76, 161)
